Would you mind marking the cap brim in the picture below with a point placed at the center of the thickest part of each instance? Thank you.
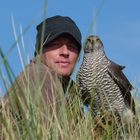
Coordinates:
(55, 35)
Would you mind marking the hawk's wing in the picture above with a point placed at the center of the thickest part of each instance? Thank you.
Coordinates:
(121, 80)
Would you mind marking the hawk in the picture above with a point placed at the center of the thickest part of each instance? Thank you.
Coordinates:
(103, 85)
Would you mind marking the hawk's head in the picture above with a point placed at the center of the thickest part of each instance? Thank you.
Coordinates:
(93, 43)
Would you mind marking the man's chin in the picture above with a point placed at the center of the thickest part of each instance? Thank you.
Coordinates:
(64, 73)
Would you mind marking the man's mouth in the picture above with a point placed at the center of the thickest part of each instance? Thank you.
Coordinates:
(63, 63)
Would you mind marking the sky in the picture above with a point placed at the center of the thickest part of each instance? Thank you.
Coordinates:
(117, 23)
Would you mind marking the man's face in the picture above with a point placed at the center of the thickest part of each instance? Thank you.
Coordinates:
(61, 55)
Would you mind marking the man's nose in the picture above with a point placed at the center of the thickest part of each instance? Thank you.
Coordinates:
(64, 50)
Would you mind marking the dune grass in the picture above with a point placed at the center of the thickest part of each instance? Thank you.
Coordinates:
(24, 116)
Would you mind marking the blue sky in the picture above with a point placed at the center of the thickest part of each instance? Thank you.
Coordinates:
(116, 22)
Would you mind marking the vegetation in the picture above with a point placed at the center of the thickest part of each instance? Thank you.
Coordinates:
(25, 116)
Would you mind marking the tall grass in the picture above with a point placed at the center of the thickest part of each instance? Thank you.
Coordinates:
(25, 115)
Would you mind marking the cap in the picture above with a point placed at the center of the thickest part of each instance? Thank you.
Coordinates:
(53, 27)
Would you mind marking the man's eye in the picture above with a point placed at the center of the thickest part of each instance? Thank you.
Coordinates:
(55, 44)
(73, 46)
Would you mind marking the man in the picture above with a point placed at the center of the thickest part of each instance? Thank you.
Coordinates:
(58, 43)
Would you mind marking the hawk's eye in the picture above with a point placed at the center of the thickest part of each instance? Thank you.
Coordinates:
(88, 40)
(98, 40)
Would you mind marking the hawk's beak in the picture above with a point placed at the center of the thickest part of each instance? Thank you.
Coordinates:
(88, 47)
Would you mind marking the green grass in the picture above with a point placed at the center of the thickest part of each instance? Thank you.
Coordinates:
(26, 116)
